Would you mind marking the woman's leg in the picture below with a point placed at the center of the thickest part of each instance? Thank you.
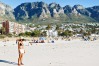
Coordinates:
(19, 58)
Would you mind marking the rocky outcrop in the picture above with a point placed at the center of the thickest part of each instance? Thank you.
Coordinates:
(67, 9)
(42, 11)
(55, 9)
(80, 9)
(94, 12)
(76, 10)
(37, 9)
(6, 12)
(30, 10)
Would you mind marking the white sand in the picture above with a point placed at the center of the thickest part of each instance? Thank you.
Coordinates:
(61, 53)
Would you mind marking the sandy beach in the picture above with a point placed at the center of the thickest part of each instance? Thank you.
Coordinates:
(60, 53)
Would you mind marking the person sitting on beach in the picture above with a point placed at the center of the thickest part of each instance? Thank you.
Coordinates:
(20, 50)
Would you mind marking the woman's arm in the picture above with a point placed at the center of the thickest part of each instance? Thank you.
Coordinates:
(18, 46)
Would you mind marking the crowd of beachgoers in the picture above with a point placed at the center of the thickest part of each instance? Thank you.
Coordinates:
(31, 40)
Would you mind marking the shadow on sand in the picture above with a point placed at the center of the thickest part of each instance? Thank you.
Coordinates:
(9, 62)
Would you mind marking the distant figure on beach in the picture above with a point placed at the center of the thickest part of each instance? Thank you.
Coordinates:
(20, 50)
(16, 41)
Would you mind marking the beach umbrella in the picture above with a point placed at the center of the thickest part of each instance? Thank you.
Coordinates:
(41, 38)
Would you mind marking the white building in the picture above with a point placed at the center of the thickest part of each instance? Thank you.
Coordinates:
(52, 33)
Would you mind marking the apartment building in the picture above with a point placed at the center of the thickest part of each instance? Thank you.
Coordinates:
(13, 27)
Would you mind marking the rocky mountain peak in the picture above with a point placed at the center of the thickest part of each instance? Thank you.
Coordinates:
(55, 9)
(42, 4)
(41, 11)
(6, 11)
(5, 8)
(95, 7)
(54, 6)
(67, 9)
(78, 7)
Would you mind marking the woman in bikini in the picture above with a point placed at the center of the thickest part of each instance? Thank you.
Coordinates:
(20, 50)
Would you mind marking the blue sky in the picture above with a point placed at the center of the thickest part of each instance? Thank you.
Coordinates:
(85, 3)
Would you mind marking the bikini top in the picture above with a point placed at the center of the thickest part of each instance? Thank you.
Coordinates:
(21, 44)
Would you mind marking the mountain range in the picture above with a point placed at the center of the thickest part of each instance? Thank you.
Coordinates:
(40, 12)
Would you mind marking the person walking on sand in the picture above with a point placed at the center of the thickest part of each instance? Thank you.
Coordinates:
(20, 50)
